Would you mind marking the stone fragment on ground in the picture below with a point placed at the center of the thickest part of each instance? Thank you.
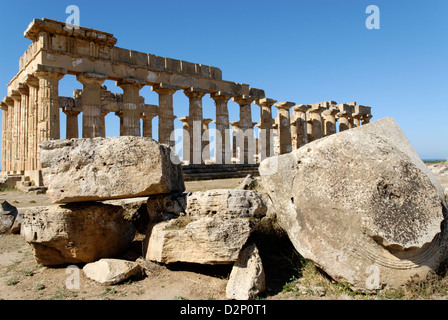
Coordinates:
(76, 233)
(361, 205)
(206, 227)
(111, 271)
(247, 279)
(8, 214)
(108, 168)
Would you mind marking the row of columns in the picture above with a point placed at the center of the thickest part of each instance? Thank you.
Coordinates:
(31, 116)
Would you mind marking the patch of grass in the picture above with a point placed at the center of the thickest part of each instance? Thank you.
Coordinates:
(62, 293)
(32, 201)
(39, 286)
(10, 188)
(179, 298)
(12, 282)
(28, 272)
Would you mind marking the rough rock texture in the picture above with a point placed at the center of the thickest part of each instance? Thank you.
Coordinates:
(247, 279)
(207, 227)
(76, 233)
(108, 168)
(111, 271)
(361, 205)
(8, 214)
(440, 171)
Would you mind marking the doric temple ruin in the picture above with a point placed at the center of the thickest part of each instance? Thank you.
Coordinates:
(31, 110)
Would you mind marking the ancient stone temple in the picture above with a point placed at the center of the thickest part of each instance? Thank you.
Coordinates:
(32, 107)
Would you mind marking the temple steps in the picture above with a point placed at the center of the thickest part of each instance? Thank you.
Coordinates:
(218, 171)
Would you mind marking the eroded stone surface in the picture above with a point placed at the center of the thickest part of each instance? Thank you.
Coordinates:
(359, 201)
(108, 168)
(208, 227)
(247, 279)
(76, 233)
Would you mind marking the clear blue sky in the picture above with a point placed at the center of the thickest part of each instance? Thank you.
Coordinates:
(304, 51)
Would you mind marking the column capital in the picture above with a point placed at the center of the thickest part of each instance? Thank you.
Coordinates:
(15, 95)
(301, 108)
(286, 105)
(23, 89)
(131, 81)
(165, 88)
(42, 71)
(71, 112)
(366, 117)
(3, 106)
(317, 110)
(221, 96)
(206, 122)
(243, 99)
(31, 81)
(8, 101)
(235, 124)
(195, 92)
(265, 102)
(91, 78)
(332, 111)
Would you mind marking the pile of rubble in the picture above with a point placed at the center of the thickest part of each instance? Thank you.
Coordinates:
(360, 205)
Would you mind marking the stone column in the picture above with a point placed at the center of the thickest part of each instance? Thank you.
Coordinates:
(266, 147)
(356, 119)
(366, 119)
(131, 106)
(284, 122)
(48, 102)
(16, 132)
(345, 116)
(166, 112)
(344, 121)
(147, 125)
(316, 119)
(24, 105)
(196, 127)
(206, 139)
(9, 156)
(72, 123)
(329, 117)
(91, 104)
(186, 139)
(276, 138)
(236, 134)
(5, 129)
(33, 85)
(246, 132)
(299, 122)
(223, 154)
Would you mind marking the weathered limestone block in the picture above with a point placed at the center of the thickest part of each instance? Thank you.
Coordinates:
(247, 279)
(76, 233)
(361, 205)
(111, 271)
(8, 214)
(108, 168)
(207, 227)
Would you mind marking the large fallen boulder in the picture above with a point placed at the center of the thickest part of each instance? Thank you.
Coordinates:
(108, 168)
(77, 233)
(361, 205)
(207, 227)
